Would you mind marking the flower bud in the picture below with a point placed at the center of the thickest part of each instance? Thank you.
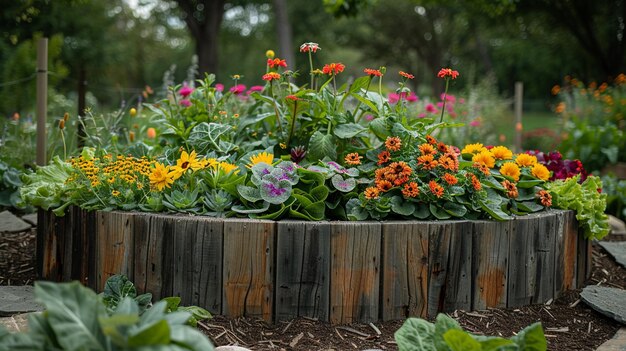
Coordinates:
(131, 136)
(270, 54)
(133, 112)
(151, 133)
(66, 116)
(62, 124)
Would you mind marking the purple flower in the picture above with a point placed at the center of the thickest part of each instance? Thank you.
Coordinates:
(185, 91)
(185, 103)
(273, 190)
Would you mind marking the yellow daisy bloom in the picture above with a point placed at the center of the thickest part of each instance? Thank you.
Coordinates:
(161, 176)
(501, 153)
(485, 157)
(510, 169)
(185, 163)
(261, 157)
(525, 160)
(540, 171)
(227, 167)
(473, 148)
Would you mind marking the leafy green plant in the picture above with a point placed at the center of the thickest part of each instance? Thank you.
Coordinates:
(10, 184)
(615, 190)
(46, 188)
(447, 335)
(76, 319)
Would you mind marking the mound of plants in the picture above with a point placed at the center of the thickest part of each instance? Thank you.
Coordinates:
(329, 150)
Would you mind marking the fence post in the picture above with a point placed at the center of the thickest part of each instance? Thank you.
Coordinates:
(519, 97)
(42, 99)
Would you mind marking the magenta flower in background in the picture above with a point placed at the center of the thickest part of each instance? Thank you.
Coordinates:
(475, 123)
(185, 103)
(185, 91)
(238, 89)
(430, 108)
(369, 117)
(560, 168)
(255, 88)
(412, 97)
(219, 87)
(393, 98)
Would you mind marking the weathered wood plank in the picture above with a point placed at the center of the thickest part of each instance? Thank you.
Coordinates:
(302, 270)
(439, 236)
(115, 246)
(355, 271)
(458, 291)
(545, 238)
(405, 269)
(523, 261)
(583, 259)
(82, 227)
(490, 264)
(249, 253)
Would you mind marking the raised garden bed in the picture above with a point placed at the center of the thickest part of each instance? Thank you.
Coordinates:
(337, 271)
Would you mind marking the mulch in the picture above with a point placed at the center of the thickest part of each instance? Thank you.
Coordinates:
(569, 324)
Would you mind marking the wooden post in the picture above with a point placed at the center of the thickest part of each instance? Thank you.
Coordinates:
(519, 98)
(491, 264)
(42, 99)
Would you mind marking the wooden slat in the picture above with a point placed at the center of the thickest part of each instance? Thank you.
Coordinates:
(523, 261)
(115, 246)
(545, 238)
(149, 264)
(405, 269)
(355, 275)
(583, 259)
(458, 292)
(439, 235)
(490, 265)
(302, 270)
(249, 253)
(82, 226)
(51, 235)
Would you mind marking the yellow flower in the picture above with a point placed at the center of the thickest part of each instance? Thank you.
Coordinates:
(473, 148)
(540, 171)
(115, 193)
(261, 157)
(510, 169)
(485, 157)
(270, 54)
(501, 153)
(186, 162)
(227, 167)
(525, 160)
(161, 176)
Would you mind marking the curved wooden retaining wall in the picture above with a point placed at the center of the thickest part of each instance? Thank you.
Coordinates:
(338, 271)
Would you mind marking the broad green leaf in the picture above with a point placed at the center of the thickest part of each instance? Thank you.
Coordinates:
(319, 193)
(529, 206)
(264, 206)
(190, 339)
(156, 333)
(438, 212)
(531, 338)
(380, 127)
(457, 210)
(249, 193)
(367, 102)
(401, 207)
(416, 335)
(422, 211)
(529, 183)
(459, 340)
(322, 145)
(360, 83)
(494, 211)
(343, 185)
(348, 130)
(205, 137)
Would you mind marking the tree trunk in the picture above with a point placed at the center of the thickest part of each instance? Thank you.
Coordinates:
(283, 27)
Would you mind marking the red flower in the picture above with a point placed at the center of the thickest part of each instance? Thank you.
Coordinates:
(276, 62)
(333, 68)
(271, 76)
(373, 72)
(406, 75)
(313, 47)
(292, 97)
(447, 73)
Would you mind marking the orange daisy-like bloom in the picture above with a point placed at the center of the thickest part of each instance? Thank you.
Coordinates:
(501, 153)
(475, 182)
(373, 72)
(427, 149)
(443, 148)
(372, 193)
(380, 173)
(410, 190)
(384, 185)
(401, 169)
(276, 63)
(510, 169)
(447, 73)
(292, 97)
(435, 188)
(544, 198)
(431, 140)
(482, 168)
(450, 179)
(446, 162)
(406, 75)
(401, 179)
(485, 157)
(393, 143)
(540, 171)
(333, 68)
(383, 157)
(353, 159)
(427, 162)
(511, 189)
(271, 76)
(525, 160)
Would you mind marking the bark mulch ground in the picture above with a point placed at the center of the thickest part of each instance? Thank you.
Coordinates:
(568, 323)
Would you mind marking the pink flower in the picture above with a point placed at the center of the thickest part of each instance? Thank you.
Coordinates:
(393, 98)
(449, 98)
(412, 97)
(421, 115)
(440, 104)
(255, 88)
(475, 123)
(185, 103)
(369, 117)
(461, 101)
(185, 91)
(219, 87)
(238, 89)
(430, 108)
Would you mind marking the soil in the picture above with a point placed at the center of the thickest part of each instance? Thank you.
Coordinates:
(568, 323)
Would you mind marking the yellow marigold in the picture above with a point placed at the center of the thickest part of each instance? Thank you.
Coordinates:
(485, 157)
(501, 153)
(265, 157)
(161, 176)
(473, 148)
(227, 167)
(510, 169)
(525, 160)
(115, 193)
(540, 171)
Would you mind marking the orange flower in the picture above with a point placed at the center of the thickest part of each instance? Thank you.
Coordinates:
(511, 189)
(427, 162)
(292, 98)
(401, 179)
(373, 72)
(393, 143)
(406, 75)
(431, 140)
(482, 167)
(410, 190)
(544, 198)
(383, 157)
(443, 148)
(353, 159)
(427, 149)
(540, 171)
(555, 90)
(151, 133)
(372, 193)
(485, 157)
(448, 162)
(271, 76)
(435, 188)
(401, 169)
(475, 182)
(333, 68)
(276, 63)
(447, 73)
(310, 47)
(380, 173)
(450, 179)
(384, 185)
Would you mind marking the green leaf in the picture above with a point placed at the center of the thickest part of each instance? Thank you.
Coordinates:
(459, 340)
(381, 128)
(456, 210)
(249, 193)
(494, 210)
(343, 185)
(416, 335)
(422, 211)
(156, 333)
(529, 206)
(523, 184)
(348, 130)
(320, 193)
(322, 145)
(438, 212)
(401, 207)
(360, 83)
(367, 102)
(190, 339)
(206, 136)
(531, 338)
(264, 206)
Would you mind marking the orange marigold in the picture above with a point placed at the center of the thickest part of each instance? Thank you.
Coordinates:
(401, 179)
(544, 198)
(482, 168)
(410, 190)
(393, 143)
(450, 179)
(406, 75)
(449, 162)
(427, 149)
(431, 140)
(447, 73)
(435, 188)
(383, 157)
(333, 68)
(443, 148)
(373, 72)
(427, 162)
(511, 189)
(353, 159)
(372, 193)
(475, 181)
(271, 76)
(384, 185)
(401, 168)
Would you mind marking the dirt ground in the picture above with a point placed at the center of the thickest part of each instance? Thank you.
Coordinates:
(568, 323)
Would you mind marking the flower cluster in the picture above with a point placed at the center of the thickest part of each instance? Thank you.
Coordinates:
(560, 168)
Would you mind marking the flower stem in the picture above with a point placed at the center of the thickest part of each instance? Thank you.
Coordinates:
(280, 127)
(311, 67)
(445, 94)
(356, 110)
(293, 122)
